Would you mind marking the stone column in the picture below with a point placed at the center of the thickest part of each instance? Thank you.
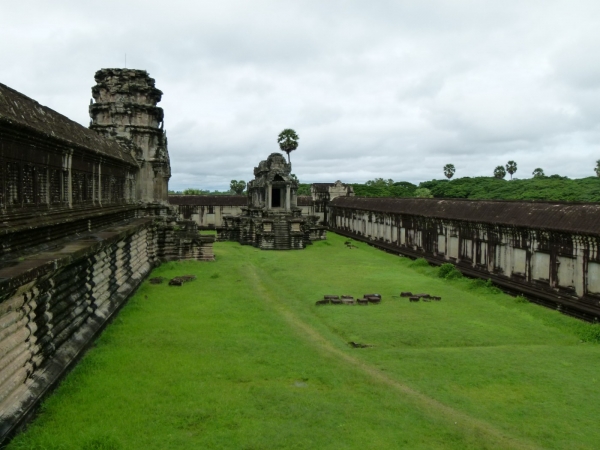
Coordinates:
(578, 266)
(287, 198)
(99, 190)
(269, 193)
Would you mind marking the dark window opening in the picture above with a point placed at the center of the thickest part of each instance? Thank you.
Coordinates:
(276, 198)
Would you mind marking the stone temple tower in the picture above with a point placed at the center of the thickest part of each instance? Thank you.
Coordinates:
(272, 220)
(125, 109)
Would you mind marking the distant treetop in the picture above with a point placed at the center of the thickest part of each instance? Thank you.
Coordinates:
(288, 141)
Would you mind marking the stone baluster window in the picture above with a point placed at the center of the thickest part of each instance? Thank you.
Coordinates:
(13, 184)
(41, 186)
(54, 186)
(2, 184)
(28, 184)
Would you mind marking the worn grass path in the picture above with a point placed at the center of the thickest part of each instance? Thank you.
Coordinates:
(241, 358)
(486, 433)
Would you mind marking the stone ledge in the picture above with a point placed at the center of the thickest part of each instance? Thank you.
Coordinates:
(25, 270)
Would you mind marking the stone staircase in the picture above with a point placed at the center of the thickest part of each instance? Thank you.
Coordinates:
(281, 230)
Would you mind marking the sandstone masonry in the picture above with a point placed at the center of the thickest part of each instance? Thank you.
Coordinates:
(83, 219)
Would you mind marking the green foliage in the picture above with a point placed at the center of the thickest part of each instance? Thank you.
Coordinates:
(449, 272)
(194, 191)
(237, 187)
(521, 299)
(499, 172)
(511, 167)
(423, 193)
(589, 332)
(288, 141)
(449, 170)
(551, 188)
(538, 173)
(304, 189)
(597, 168)
(445, 269)
(385, 188)
(419, 262)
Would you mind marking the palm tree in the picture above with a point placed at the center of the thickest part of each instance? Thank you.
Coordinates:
(288, 141)
(449, 170)
(538, 173)
(511, 167)
(499, 172)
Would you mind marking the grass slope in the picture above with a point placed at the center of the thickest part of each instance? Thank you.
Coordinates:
(242, 359)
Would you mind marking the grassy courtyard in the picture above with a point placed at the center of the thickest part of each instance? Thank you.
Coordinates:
(242, 358)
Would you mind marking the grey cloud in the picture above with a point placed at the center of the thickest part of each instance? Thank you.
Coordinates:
(387, 89)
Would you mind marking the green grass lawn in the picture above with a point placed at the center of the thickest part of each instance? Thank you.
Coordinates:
(242, 358)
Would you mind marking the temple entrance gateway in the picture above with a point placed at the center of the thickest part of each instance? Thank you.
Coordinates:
(276, 199)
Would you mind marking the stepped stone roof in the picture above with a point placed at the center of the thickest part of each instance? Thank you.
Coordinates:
(209, 200)
(305, 200)
(20, 110)
(583, 218)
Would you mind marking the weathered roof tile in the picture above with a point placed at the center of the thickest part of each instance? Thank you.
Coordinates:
(18, 109)
(583, 218)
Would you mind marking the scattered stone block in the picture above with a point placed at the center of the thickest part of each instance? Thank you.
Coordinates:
(414, 298)
(405, 294)
(157, 280)
(187, 278)
(358, 345)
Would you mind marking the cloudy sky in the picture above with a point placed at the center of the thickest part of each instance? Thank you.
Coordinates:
(392, 89)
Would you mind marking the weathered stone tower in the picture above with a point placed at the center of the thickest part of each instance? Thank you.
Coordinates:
(125, 109)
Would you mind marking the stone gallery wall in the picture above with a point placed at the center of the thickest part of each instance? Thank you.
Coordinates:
(81, 225)
(208, 211)
(548, 251)
(53, 304)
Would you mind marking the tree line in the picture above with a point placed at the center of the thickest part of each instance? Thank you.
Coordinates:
(510, 168)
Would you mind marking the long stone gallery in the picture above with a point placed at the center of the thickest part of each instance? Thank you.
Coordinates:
(86, 215)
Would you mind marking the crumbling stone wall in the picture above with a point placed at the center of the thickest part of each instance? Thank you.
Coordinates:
(549, 251)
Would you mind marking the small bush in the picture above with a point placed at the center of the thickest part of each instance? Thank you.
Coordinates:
(477, 283)
(445, 269)
(449, 272)
(521, 299)
(420, 262)
(492, 289)
(589, 332)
